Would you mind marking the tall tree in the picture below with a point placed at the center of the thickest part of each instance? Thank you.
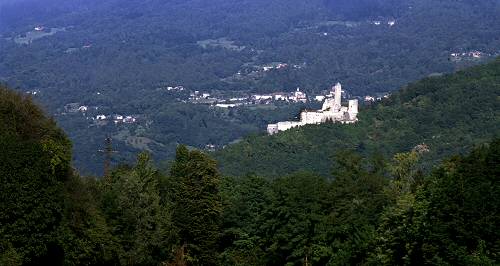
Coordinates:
(140, 224)
(245, 201)
(357, 200)
(197, 205)
(295, 220)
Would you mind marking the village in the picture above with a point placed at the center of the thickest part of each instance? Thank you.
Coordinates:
(221, 100)
(100, 119)
(215, 99)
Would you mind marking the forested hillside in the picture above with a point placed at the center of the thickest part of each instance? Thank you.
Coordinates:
(447, 115)
(136, 45)
(374, 211)
(114, 55)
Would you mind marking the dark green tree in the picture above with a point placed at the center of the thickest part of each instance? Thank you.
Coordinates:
(34, 166)
(357, 201)
(245, 201)
(140, 224)
(84, 234)
(197, 205)
(294, 222)
(453, 219)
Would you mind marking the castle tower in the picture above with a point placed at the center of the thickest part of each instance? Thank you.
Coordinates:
(338, 96)
(328, 104)
(353, 109)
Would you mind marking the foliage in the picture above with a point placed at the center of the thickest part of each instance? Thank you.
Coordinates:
(139, 223)
(358, 199)
(449, 114)
(135, 46)
(35, 165)
(370, 211)
(452, 219)
(197, 205)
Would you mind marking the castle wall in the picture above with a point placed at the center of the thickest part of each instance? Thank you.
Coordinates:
(272, 129)
(282, 126)
(333, 116)
(308, 117)
(332, 110)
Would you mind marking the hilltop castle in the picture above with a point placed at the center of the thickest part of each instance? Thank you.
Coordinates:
(332, 110)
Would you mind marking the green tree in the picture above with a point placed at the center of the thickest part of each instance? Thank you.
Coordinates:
(245, 200)
(140, 225)
(357, 201)
(452, 219)
(396, 230)
(84, 234)
(294, 221)
(197, 205)
(35, 164)
(405, 172)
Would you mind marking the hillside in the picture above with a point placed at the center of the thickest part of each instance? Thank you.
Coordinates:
(115, 57)
(370, 214)
(134, 45)
(450, 114)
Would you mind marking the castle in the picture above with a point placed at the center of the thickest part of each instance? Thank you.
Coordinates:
(332, 110)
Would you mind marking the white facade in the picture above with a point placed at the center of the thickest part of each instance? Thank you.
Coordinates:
(320, 98)
(332, 110)
(298, 96)
(227, 105)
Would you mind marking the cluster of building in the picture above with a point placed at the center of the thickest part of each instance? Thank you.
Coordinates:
(331, 111)
(296, 96)
(274, 66)
(117, 119)
(33, 92)
(84, 109)
(470, 54)
(390, 22)
(76, 107)
(369, 99)
(207, 98)
(175, 88)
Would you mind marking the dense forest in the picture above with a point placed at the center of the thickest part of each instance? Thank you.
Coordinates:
(373, 210)
(416, 181)
(447, 115)
(107, 53)
(134, 46)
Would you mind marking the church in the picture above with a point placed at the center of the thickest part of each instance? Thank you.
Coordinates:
(332, 110)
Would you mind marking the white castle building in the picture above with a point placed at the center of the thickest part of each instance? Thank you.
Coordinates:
(332, 110)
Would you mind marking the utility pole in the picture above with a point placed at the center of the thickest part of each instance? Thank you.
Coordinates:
(108, 153)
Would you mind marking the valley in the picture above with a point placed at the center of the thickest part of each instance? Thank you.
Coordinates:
(121, 60)
(249, 132)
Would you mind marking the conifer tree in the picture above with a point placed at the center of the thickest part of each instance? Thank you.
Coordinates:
(197, 205)
(139, 223)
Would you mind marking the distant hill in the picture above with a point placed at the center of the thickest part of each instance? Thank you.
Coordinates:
(136, 44)
(114, 54)
(450, 114)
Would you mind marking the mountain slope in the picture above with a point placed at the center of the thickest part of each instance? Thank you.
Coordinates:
(114, 54)
(450, 114)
